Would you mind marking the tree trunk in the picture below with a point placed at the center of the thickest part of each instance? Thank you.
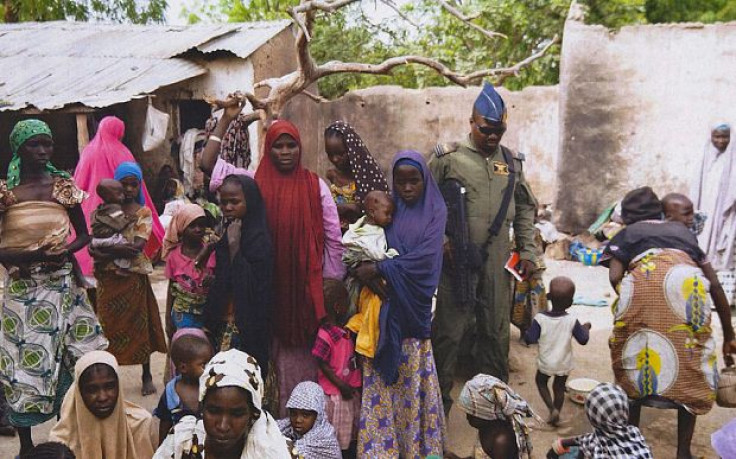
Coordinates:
(11, 11)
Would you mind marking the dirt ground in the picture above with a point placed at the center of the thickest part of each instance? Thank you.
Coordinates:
(592, 360)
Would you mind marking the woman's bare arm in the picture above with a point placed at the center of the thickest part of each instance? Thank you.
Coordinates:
(80, 229)
(232, 106)
(616, 271)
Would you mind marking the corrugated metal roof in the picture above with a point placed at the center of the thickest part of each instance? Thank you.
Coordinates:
(243, 43)
(52, 64)
(52, 82)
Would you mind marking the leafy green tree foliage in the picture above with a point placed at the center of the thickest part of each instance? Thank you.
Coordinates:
(137, 12)
(617, 13)
(706, 11)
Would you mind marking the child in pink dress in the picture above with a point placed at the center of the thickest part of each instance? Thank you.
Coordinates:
(339, 375)
(189, 283)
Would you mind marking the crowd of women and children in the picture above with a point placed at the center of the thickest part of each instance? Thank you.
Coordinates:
(292, 298)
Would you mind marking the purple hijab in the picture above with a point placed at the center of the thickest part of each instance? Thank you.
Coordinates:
(417, 233)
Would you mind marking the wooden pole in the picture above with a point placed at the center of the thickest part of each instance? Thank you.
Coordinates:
(82, 131)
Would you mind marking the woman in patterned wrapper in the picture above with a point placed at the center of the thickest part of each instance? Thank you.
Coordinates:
(46, 314)
(401, 413)
(126, 304)
(662, 348)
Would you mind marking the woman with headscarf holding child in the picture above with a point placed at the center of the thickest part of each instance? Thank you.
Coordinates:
(401, 413)
(48, 322)
(98, 161)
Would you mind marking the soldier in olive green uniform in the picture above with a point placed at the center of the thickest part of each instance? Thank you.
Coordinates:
(479, 163)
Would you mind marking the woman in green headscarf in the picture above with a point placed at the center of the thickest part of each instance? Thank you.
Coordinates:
(47, 319)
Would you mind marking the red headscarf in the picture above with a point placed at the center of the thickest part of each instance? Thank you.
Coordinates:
(294, 214)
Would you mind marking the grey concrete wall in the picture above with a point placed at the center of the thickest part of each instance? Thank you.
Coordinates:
(390, 119)
(635, 109)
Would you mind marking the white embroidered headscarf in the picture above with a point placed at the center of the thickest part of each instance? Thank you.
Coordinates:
(231, 368)
(321, 441)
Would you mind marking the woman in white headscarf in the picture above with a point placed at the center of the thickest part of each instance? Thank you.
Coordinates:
(233, 423)
(714, 194)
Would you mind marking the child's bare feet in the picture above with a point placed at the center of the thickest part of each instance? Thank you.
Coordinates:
(554, 418)
(148, 387)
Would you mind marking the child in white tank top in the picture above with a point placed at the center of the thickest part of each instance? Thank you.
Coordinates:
(554, 330)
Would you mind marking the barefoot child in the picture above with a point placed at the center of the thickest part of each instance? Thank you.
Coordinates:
(553, 331)
(307, 425)
(190, 354)
(338, 375)
(366, 241)
(189, 284)
(108, 222)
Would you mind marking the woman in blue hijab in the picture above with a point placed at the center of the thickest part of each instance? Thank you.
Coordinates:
(401, 413)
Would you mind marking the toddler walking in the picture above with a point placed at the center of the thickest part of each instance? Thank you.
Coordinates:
(108, 222)
(365, 240)
(554, 330)
(339, 375)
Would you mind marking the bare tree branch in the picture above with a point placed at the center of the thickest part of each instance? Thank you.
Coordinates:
(385, 67)
(329, 6)
(514, 70)
(317, 98)
(391, 4)
(467, 20)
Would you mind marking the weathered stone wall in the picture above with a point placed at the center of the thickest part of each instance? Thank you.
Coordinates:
(390, 119)
(635, 109)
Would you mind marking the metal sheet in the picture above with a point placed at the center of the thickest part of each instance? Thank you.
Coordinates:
(247, 39)
(53, 64)
(54, 82)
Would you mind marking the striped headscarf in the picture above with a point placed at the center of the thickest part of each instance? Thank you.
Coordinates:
(367, 173)
(21, 133)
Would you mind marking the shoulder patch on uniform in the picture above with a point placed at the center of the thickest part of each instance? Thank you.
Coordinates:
(442, 149)
(519, 155)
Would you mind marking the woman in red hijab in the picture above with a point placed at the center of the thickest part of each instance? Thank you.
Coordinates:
(98, 161)
(306, 237)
